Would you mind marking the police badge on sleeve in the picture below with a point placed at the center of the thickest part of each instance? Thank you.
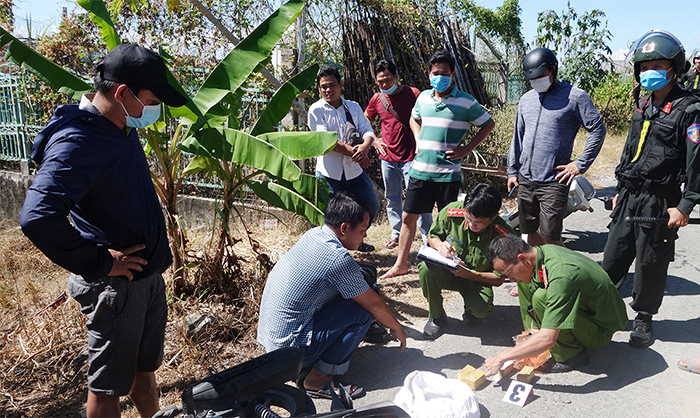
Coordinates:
(694, 132)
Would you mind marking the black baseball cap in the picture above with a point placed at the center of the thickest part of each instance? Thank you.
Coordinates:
(135, 65)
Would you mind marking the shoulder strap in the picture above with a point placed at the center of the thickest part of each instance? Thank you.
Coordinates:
(348, 116)
(387, 106)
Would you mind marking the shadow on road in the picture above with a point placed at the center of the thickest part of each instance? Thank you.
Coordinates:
(585, 241)
(675, 286)
(617, 365)
(370, 359)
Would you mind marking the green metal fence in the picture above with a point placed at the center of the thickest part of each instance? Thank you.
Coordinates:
(515, 87)
(18, 118)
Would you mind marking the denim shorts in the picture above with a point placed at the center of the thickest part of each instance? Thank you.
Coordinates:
(126, 328)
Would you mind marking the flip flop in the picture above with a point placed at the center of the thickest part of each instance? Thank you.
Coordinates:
(391, 243)
(354, 392)
(692, 366)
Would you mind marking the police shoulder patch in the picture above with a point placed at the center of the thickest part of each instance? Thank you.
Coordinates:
(694, 133)
(455, 212)
(501, 230)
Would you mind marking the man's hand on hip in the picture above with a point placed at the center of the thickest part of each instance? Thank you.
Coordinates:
(567, 174)
(457, 152)
(124, 262)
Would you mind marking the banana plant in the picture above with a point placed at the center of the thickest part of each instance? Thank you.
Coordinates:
(209, 125)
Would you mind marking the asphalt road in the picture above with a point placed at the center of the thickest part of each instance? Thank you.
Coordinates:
(620, 381)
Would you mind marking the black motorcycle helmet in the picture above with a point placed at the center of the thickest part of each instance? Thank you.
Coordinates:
(537, 61)
(658, 45)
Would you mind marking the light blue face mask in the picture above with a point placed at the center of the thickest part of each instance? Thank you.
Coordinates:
(440, 82)
(391, 90)
(149, 115)
(653, 79)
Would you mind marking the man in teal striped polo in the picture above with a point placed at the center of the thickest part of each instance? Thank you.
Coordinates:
(440, 118)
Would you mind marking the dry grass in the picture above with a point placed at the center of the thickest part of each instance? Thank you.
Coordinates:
(40, 346)
(601, 172)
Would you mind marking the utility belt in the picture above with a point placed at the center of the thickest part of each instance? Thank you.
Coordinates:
(647, 186)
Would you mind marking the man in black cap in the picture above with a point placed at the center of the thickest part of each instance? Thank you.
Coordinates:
(92, 167)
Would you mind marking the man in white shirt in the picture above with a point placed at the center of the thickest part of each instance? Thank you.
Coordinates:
(343, 167)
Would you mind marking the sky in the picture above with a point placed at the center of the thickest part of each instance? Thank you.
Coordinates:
(627, 19)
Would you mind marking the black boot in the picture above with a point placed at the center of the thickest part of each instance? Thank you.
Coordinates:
(641, 336)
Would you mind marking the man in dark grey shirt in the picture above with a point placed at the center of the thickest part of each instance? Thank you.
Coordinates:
(539, 160)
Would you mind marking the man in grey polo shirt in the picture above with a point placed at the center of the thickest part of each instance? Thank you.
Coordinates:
(539, 160)
(317, 299)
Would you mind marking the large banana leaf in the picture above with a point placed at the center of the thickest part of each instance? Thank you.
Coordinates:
(100, 17)
(286, 198)
(279, 104)
(302, 145)
(233, 70)
(237, 146)
(57, 77)
(311, 187)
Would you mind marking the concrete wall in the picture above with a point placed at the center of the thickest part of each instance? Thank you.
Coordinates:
(13, 188)
(197, 214)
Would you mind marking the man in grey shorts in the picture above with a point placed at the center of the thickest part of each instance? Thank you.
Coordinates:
(539, 160)
(92, 167)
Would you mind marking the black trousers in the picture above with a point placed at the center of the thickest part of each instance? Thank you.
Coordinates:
(649, 246)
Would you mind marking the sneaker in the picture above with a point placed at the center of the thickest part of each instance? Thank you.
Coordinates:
(553, 366)
(640, 337)
(470, 320)
(365, 248)
(377, 334)
(435, 327)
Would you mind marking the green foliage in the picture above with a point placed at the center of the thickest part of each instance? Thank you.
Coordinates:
(236, 157)
(101, 18)
(580, 43)
(503, 23)
(52, 74)
(613, 99)
(280, 103)
(7, 18)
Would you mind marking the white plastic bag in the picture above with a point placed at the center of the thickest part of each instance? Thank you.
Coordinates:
(430, 395)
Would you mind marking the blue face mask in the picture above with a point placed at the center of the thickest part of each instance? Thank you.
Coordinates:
(440, 82)
(391, 90)
(653, 79)
(149, 115)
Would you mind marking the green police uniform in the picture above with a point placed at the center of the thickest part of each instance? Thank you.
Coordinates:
(572, 293)
(470, 248)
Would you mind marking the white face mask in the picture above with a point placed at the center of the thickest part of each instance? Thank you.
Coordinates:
(541, 84)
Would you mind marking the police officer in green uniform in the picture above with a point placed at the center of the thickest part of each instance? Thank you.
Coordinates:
(661, 152)
(691, 79)
(573, 299)
(464, 230)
